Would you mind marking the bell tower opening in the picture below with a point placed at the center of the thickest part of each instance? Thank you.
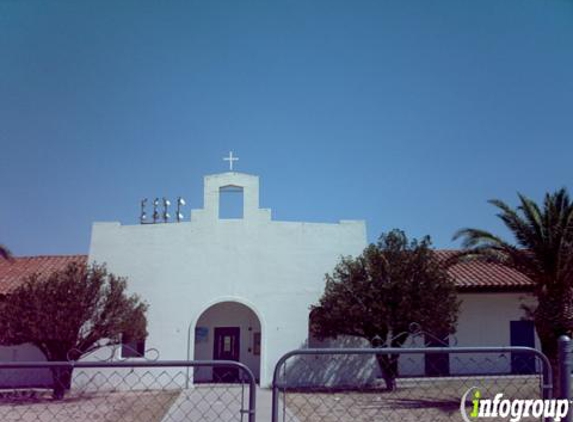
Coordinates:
(231, 202)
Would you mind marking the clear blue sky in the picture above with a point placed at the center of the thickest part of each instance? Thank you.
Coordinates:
(407, 114)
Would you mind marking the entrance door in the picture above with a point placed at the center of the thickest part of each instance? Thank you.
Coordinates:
(522, 333)
(226, 346)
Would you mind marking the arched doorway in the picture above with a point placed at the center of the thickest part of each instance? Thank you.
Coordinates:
(227, 331)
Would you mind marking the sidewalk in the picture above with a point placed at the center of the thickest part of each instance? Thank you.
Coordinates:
(216, 403)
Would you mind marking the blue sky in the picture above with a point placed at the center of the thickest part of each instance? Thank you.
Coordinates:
(407, 114)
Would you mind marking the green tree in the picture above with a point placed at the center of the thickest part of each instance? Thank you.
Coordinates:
(69, 314)
(5, 252)
(543, 251)
(379, 294)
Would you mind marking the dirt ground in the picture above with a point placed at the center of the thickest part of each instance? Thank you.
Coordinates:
(413, 401)
(38, 405)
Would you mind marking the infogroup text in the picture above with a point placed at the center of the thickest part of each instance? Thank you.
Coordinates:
(512, 409)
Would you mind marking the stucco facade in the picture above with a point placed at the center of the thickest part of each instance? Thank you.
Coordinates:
(251, 281)
(485, 319)
(275, 269)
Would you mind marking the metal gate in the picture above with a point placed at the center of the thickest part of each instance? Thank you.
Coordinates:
(147, 391)
(348, 385)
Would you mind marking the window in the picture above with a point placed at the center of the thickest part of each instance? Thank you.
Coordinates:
(132, 349)
(230, 202)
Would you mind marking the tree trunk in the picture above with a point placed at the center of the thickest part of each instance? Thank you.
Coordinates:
(62, 378)
(553, 318)
(388, 365)
(549, 347)
(61, 375)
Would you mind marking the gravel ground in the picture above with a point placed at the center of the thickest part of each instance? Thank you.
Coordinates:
(38, 405)
(414, 400)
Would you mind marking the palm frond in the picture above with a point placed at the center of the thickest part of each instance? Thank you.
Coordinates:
(523, 232)
(543, 248)
(533, 215)
(475, 237)
(543, 251)
(5, 253)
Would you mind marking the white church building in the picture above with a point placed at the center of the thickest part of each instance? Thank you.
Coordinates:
(227, 288)
(241, 288)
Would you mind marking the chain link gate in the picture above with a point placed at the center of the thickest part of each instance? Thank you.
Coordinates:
(429, 383)
(313, 385)
(149, 391)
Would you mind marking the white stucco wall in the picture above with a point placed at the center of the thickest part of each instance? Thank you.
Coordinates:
(275, 268)
(484, 317)
(23, 377)
(484, 320)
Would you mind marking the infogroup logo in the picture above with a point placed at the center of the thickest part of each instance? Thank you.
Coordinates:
(512, 409)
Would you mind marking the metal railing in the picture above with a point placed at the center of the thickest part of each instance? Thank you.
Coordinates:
(146, 391)
(430, 383)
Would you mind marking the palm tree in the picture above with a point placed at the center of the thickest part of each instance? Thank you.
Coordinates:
(543, 251)
(5, 253)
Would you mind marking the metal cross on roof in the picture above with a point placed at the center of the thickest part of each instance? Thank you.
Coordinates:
(230, 159)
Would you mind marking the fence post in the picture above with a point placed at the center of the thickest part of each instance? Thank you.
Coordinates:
(565, 368)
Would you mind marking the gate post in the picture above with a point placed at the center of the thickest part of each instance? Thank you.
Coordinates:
(565, 369)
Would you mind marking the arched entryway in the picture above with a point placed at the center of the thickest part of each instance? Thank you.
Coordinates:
(227, 331)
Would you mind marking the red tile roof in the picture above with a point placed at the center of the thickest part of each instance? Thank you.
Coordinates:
(473, 275)
(478, 275)
(13, 273)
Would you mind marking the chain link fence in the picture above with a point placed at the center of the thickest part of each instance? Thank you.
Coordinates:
(160, 391)
(400, 385)
(309, 385)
